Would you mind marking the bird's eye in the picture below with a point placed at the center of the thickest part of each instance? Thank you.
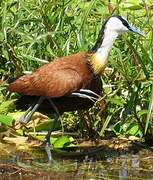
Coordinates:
(125, 23)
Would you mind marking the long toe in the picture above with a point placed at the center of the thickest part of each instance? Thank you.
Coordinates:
(25, 118)
(48, 151)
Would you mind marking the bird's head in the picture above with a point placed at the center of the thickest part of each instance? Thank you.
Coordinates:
(114, 26)
(119, 25)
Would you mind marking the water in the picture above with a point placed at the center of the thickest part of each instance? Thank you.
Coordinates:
(101, 165)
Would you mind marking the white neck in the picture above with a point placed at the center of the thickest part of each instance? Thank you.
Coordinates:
(99, 59)
(109, 37)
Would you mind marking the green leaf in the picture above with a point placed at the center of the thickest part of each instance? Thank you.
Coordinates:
(150, 111)
(62, 141)
(118, 101)
(5, 105)
(136, 7)
(101, 133)
(7, 120)
(45, 126)
(133, 130)
(142, 112)
(117, 128)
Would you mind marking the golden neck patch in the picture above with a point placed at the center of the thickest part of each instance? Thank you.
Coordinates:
(98, 64)
(99, 58)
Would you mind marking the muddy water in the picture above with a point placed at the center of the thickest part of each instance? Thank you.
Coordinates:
(102, 165)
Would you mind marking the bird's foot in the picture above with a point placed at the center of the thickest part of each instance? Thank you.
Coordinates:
(48, 151)
(89, 92)
(86, 93)
(76, 94)
(32, 109)
(25, 118)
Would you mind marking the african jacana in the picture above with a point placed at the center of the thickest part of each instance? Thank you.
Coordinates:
(64, 103)
(71, 75)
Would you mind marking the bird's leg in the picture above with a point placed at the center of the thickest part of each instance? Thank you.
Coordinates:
(28, 114)
(47, 137)
(22, 118)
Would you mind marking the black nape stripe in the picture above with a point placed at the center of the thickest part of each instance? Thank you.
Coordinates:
(99, 39)
(125, 23)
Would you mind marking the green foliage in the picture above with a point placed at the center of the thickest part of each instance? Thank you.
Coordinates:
(128, 128)
(34, 32)
(6, 120)
(45, 126)
(63, 141)
(5, 107)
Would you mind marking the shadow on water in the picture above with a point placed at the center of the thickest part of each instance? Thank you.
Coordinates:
(93, 163)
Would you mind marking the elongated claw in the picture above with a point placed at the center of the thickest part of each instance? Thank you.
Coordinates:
(88, 91)
(75, 94)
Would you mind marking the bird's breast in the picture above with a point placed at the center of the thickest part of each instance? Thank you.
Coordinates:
(98, 63)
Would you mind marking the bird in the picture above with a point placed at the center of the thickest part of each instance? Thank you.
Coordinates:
(76, 76)
(64, 103)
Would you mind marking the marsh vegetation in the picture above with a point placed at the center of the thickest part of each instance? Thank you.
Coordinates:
(34, 32)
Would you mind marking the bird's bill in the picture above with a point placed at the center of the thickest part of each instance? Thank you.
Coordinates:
(136, 30)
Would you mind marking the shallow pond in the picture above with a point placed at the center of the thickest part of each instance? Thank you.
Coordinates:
(94, 163)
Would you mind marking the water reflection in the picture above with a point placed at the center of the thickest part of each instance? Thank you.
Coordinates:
(125, 166)
(123, 170)
(135, 161)
(122, 167)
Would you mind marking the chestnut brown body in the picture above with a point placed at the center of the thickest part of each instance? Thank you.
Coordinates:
(58, 78)
(64, 103)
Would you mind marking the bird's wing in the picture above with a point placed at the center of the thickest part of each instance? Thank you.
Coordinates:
(48, 83)
(61, 82)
